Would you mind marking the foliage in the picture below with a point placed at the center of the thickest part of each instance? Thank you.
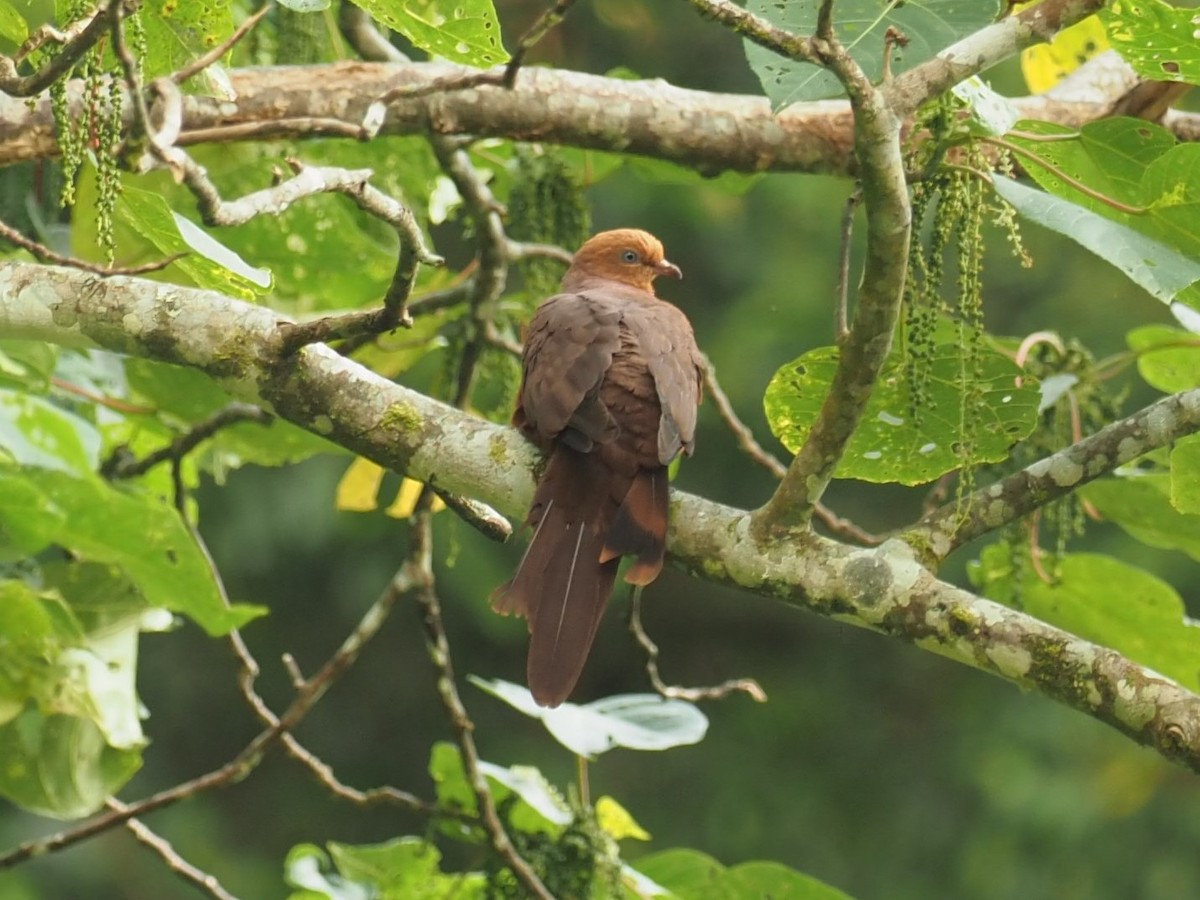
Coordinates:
(103, 456)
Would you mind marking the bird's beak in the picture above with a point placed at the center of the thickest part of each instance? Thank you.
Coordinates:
(665, 267)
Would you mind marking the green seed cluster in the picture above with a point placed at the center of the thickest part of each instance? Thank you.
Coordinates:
(545, 206)
(98, 130)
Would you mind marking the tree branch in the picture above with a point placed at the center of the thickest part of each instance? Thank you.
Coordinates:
(709, 132)
(883, 588)
(1010, 498)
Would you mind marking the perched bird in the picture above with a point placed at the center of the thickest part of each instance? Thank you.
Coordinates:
(609, 392)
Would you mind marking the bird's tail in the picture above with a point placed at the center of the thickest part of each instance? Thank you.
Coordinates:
(563, 582)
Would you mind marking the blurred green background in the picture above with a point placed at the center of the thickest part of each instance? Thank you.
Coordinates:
(882, 769)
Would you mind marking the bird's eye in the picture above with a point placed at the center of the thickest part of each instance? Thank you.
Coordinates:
(630, 256)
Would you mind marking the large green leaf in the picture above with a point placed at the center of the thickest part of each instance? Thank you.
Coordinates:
(35, 432)
(1128, 171)
(1158, 40)
(1141, 504)
(1168, 357)
(889, 445)
(140, 533)
(27, 364)
(929, 25)
(692, 875)
(61, 766)
(207, 263)
(462, 31)
(71, 719)
(1161, 270)
(1104, 600)
(13, 27)
(1185, 475)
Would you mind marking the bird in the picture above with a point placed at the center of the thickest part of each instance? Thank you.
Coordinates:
(611, 382)
(610, 389)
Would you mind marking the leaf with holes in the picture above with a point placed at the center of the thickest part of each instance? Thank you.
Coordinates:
(889, 446)
(1156, 39)
(928, 26)
(462, 31)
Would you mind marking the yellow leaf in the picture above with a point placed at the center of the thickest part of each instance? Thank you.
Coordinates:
(359, 487)
(1045, 65)
(406, 500)
(617, 822)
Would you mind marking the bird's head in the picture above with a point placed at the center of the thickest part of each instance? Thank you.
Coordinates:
(625, 255)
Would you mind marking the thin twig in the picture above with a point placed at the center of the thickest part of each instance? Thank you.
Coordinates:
(420, 571)
(504, 78)
(745, 437)
(194, 876)
(674, 692)
(76, 40)
(45, 254)
(542, 25)
(307, 180)
(200, 63)
(119, 467)
(241, 765)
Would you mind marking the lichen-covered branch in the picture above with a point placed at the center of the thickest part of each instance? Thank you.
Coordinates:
(883, 588)
(864, 348)
(1017, 495)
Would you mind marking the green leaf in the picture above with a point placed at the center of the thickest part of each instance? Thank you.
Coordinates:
(1158, 40)
(462, 31)
(177, 33)
(633, 721)
(31, 520)
(1168, 357)
(35, 630)
(140, 533)
(888, 445)
(406, 868)
(27, 364)
(1104, 600)
(1185, 475)
(692, 875)
(1159, 269)
(61, 766)
(12, 24)
(1124, 161)
(35, 432)
(929, 25)
(148, 214)
(1141, 504)
(538, 808)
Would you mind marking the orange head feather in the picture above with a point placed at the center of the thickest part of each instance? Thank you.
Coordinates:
(625, 255)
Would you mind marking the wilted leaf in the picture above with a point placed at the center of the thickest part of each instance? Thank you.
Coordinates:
(1045, 65)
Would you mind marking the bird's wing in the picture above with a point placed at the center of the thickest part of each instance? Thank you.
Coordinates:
(568, 348)
(669, 348)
